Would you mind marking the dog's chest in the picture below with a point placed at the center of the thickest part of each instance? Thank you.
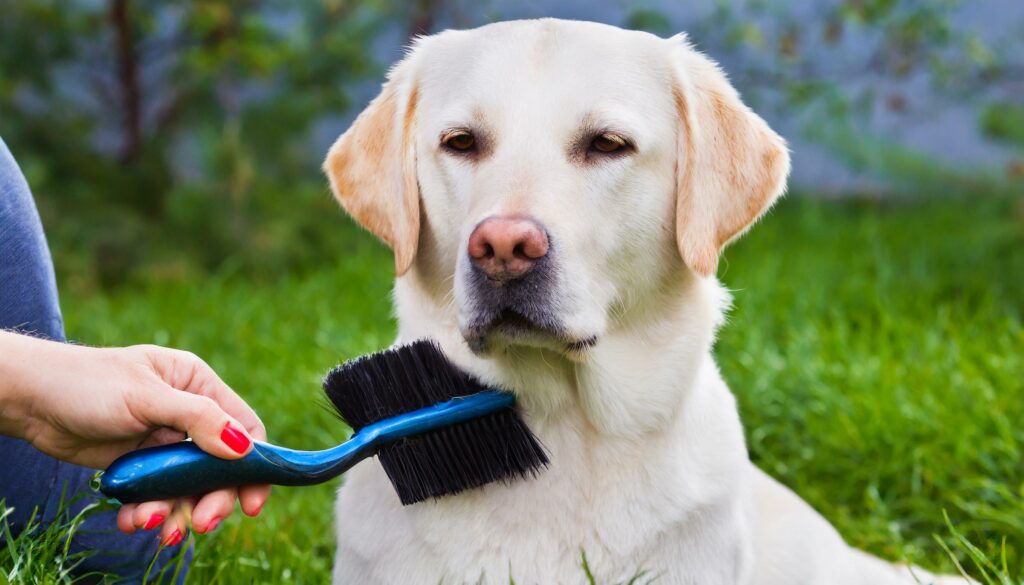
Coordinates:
(616, 502)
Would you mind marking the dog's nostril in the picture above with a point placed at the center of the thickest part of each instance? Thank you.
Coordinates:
(488, 251)
(519, 251)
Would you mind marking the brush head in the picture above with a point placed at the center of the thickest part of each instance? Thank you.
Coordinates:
(495, 447)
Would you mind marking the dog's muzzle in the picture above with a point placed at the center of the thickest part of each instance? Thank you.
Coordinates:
(510, 282)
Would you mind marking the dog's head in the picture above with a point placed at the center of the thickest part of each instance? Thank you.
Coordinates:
(541, 179)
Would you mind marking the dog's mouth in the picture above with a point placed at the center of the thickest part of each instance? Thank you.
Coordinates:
(513, 327)
(497, 313)
(512, 323)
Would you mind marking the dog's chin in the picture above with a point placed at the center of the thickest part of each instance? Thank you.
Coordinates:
(512, 329)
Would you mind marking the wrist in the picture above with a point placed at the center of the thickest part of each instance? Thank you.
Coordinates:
(16, 362)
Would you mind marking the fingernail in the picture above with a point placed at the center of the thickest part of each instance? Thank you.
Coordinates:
(154, 521)
(173, 538)
(212, 525)
(235, 439)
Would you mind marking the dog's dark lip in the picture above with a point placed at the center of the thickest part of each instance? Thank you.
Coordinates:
(581, 345)
(510, 321)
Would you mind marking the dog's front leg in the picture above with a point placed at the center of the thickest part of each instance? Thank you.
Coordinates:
(715, 548)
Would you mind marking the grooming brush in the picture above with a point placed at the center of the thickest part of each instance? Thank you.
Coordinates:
(435, 429)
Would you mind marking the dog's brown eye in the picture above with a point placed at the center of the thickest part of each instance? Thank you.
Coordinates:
(460, 140)
(608, 142)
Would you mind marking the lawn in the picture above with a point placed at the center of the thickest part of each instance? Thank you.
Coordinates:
(876, 350)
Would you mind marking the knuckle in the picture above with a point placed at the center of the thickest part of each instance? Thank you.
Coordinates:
(188, 356)
(143, 348)
(187, 359)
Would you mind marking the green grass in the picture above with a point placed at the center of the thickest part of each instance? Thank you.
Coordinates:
(39, 554)
(877, 351)
(878, 355)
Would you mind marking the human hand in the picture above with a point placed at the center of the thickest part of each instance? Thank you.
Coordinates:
(90, 405)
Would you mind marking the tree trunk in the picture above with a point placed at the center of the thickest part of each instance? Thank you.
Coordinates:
(128, 79)
(423, 17)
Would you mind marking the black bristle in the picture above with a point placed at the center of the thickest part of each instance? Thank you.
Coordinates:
(495, 447)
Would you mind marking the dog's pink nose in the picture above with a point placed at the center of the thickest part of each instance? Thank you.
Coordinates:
(506, 248)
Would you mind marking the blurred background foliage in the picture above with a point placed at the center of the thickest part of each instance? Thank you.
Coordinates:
(174, 151)
(176, 134)
(179, 137)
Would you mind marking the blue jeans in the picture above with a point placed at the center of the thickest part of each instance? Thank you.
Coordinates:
(29, 479)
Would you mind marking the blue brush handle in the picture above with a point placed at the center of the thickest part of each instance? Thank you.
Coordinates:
(183, 469)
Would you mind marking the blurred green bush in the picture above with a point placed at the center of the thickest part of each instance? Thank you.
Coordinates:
(176, 135)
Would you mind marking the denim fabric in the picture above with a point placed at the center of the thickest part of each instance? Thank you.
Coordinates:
(30, 479)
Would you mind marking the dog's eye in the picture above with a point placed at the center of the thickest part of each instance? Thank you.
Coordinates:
(460, 140)
(608, 143)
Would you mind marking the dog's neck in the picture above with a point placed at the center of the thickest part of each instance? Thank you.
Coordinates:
(632, 382)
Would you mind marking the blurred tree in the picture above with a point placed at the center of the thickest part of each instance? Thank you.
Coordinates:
(878, 49)
(142, 117)
(423, 16)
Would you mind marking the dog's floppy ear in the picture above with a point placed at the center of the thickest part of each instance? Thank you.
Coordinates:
(731, 165)
(372, 168)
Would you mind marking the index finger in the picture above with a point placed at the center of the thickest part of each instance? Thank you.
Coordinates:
(187, 372)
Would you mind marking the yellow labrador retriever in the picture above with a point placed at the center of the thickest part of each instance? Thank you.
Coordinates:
(556, 195)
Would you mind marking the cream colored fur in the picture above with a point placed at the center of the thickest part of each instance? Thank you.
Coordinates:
(649, 470)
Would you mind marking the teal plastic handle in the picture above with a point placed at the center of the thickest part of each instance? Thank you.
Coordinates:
(183, 469)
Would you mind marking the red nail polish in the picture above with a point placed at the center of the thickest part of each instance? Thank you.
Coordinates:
(173, 538)
(154, 521)
(212, 525)
(257, 511)
(235, 439)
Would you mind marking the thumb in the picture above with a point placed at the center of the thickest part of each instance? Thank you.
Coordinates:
(212, 429)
